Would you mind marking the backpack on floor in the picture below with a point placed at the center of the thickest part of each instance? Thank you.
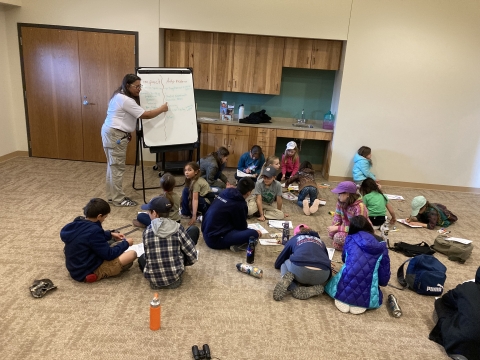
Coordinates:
(425, 275)
(456, 251)
(412, 250)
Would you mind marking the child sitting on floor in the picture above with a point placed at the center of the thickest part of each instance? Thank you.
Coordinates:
(349, 205)
(429, 215)
(356, 287)
(266, 192)
(167, 183)
(251, 162)
(196, 195)
(88, 255)
(272, 161)
(362, 162)
(290, 161)
(211, 168)
(304, 260)
(168, 247)
(307, 187)
(376, 203)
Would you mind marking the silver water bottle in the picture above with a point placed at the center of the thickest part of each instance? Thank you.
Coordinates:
(393, 306)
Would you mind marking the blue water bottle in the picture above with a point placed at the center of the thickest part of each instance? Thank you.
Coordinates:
(251, 250)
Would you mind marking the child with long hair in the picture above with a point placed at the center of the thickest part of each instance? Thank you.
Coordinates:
(271, 161)
(376, 202)
(362, 162)
(290, 161)
(251, 162)
(211, 168)
(356, 287)
(167, 183)
(429, 215)
(349, 205)
(307, 187)
(196, 196)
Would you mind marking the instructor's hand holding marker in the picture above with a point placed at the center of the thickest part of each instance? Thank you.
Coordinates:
(150, 114)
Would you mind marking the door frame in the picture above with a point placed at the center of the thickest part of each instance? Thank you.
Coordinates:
(24, 88)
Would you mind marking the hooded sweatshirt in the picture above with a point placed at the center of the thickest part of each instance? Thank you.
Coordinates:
(86, 247)
(228, 212)
(304, 177)
(367, 266)
(167, 249)
(361, 168)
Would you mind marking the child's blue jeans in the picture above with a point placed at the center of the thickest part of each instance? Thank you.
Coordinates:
(310, 191)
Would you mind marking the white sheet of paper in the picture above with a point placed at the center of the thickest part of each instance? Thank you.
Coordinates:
(293, 187)
(257, 226)
(404, 222)
(463, 241)
(270, 241)
(243, 174)
(138, 248)
(278, 224)
(331, 251)
(394, 197)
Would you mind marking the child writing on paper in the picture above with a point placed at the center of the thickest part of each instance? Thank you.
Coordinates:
(307, 187)
(376, 202)
(349, 205)
(167, 183)
(251, 162)
(429, 215)
(362, 163)
(211, 168)
(303, 261)
(168, 246)
(290, 161)
(196, 195)
(265, 194)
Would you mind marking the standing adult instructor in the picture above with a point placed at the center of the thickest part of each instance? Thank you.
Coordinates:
(123, 111)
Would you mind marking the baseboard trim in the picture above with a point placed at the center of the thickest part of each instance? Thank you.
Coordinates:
(416, 185)
(13, 155)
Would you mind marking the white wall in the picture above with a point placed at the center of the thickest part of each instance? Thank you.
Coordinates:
(410, 91)
(7, 138)
(106, 14)
(325, 19)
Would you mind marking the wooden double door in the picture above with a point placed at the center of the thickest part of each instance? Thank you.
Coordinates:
(69, 77)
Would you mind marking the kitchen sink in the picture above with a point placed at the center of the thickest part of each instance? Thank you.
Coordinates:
(303, 125)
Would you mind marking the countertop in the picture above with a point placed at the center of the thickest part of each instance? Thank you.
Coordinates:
(276, 123)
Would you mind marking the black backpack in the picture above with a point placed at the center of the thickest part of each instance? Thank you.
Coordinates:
(412, 250)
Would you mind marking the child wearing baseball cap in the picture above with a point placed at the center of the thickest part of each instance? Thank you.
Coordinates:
(429, 215)
(290, 161)
(349, 204)
(168, 246)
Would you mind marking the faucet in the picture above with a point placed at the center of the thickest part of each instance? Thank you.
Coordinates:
(302, 119)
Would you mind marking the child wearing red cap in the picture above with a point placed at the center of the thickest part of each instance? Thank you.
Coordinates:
(349, 204)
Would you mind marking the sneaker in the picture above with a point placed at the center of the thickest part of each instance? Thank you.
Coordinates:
(314, 207)
(357, 310)
(126, 202)
(90, 278)
(199, 218)
(137, 223)
(306, 292)
(306, 207)
(282, 286)
(239, 248)
(344, 308)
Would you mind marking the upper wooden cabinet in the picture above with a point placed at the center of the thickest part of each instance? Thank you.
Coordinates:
(312, 54)
(245, 63)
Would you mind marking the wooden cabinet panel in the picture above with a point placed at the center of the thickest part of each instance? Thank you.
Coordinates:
(217, 136)
(237, 145)
(238, 130)
(244, 63)
(265, 138)
(178, 48)
(297, 53)
(202, 59)
(268, 65)
(326, 54)
(204, 140)
(222, 62)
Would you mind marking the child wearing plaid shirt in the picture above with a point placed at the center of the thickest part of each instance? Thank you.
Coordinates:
(168, 246)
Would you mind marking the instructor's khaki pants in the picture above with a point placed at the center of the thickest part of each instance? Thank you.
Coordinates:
(116, 154)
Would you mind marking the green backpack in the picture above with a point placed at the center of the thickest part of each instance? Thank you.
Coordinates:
(455, 250)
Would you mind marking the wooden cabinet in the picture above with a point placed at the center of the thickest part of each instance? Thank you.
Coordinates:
(268, 65)
(202, 44)
(222, 61)
(238, 143)
(178, 48)
(244, 63)
(312, 54)
(305, 134)
(217, 136)
(265, 138)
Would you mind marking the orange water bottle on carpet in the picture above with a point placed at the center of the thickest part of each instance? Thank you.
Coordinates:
(155, 313)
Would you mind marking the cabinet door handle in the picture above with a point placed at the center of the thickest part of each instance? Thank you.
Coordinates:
(314, 60)
(307, 60)
(224, 141)
(235, 84)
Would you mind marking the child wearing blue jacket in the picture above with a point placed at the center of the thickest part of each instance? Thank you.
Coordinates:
(362, 162)
(304, 260)
(251, 162)
(356, 287)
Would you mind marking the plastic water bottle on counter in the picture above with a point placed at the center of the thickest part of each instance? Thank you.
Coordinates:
(241, 111)
(328, 121)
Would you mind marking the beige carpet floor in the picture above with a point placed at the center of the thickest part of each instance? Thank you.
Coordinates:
(231, 311)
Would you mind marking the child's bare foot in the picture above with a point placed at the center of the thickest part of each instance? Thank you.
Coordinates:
(306, 207)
